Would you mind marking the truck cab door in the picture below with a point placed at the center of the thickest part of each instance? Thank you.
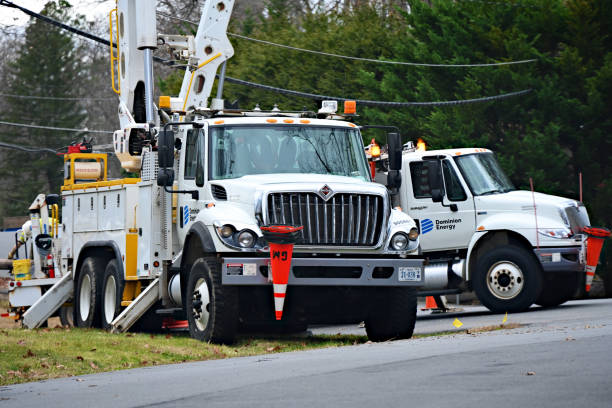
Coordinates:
(444, 225)
(187, 208)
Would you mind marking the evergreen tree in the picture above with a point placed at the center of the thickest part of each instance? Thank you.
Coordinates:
(47, 64)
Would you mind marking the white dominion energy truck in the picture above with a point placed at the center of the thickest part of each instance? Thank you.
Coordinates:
(513, 248)
(183, 238)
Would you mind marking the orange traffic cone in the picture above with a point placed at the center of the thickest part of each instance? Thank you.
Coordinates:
(281, 239)
(430, 303)
(435, 304)
(595, 240)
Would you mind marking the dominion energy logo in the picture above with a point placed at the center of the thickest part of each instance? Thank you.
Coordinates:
(426, 226)
(449, 224)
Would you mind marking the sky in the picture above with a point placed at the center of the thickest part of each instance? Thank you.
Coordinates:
(92, 9)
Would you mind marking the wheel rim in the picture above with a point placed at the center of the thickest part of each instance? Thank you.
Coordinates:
(110, 299)
(85, 297)
(505, 280)
(200, 304)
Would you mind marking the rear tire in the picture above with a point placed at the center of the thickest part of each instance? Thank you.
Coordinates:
(88, 294)
(392, 314)
(558, 288)
(507, 279)
(112, 292)
(212, 309)
(66, 315)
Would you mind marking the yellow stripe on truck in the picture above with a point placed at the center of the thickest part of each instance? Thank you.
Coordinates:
(131, 256)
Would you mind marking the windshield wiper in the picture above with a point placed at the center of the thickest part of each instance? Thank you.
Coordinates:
(490, 192)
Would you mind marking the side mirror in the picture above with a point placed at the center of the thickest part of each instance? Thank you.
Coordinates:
(51, 199)
(165, 177)
(395, 151)
(165, 149)
(199, 176)
(436, 184)
(394, 177)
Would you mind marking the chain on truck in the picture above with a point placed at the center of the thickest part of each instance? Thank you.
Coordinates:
(512, 248)
(184, 239)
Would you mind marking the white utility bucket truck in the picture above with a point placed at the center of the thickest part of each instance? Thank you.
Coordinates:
(513, 248)
(184, 238)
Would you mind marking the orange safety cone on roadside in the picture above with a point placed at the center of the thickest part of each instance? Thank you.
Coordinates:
(595, 240)
(435, 304)
(430, 303)
(281, 239)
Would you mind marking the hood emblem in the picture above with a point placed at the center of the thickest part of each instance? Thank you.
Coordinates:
(326, 192)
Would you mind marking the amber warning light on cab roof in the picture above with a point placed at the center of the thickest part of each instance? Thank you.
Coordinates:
(350, 107)
(374, 149)
(421, 145)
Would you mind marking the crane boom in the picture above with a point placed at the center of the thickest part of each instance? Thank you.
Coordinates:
(137, 38)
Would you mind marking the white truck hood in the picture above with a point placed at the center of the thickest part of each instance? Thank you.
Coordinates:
(520, 199)
(552, 210)
(245, 189)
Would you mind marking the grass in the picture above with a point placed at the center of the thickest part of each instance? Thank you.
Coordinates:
(41, 354)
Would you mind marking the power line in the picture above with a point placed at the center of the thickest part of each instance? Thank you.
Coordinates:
(505, 4)
(52, 21)
(54, 98)
(327, 54)
(267, 87)
(366, 102)
(54, 128)
(32, 149)
(37, 149)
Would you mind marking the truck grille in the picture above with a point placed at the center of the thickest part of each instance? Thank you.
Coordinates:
(343, 220)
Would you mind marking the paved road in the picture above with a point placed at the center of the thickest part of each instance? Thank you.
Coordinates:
(479, 316)
(561, 358)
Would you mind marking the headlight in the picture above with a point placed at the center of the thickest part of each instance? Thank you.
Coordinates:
(246, 238)
(226, 230)
(413, 234)
(399, 241)
(558, 233)
(563, 216)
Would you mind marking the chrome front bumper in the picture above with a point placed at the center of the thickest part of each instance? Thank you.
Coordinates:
(327, 272)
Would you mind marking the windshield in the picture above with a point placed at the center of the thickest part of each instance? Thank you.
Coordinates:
(483, 174)
(237, 151)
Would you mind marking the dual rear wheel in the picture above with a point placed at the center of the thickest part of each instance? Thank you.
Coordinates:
(99, 289)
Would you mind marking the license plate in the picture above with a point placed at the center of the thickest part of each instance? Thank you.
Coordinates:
(409, 274)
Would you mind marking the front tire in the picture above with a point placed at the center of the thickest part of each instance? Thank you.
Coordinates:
(558, 288)
(212, 309)
(507, 279)
(392, 314)
(112, 292)
(87, 295)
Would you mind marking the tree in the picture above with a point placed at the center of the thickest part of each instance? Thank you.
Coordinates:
(48, 64)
